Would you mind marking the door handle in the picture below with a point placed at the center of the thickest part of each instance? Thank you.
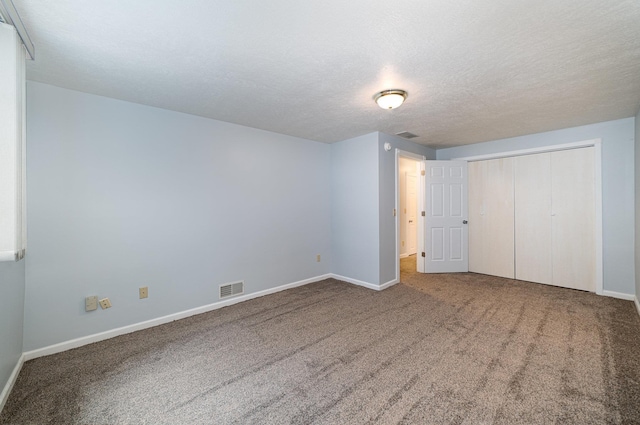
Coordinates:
(464, 221)
(410, 221)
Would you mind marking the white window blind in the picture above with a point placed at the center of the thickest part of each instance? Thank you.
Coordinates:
(13, 223)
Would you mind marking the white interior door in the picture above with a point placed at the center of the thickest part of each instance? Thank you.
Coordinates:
(533, 218)
(412, 213)
(491, 234)
(573, 218)
(446, 232)
(499, 218)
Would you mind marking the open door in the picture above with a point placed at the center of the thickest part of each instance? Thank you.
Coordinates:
(445, 232)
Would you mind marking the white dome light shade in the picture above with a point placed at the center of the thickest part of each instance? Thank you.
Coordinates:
(390, 99)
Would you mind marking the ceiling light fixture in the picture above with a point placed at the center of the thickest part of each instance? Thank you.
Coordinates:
(390, 99)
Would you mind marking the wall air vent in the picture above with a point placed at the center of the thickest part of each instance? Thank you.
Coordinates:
(231, 289)
(406, 135)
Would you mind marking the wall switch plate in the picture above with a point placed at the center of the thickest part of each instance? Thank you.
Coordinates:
(91, 303)
(144, 292)
(105, 303)
(318, 258)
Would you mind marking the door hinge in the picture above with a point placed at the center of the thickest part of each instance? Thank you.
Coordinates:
(423, 254)
(394, 212)
(423, 213)
(422, 172)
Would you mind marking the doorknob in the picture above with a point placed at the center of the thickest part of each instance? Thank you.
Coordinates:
(410, 221)
(464, 221)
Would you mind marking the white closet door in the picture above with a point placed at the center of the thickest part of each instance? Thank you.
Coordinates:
(533, 218)
(491, 217)
(499, 218)
(573, 218)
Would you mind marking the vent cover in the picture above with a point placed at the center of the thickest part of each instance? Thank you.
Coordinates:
(231, 289)
(406, 135)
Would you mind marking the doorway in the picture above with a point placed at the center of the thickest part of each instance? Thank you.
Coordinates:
(407, 207)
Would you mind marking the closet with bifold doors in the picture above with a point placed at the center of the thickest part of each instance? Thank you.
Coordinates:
(532, 218)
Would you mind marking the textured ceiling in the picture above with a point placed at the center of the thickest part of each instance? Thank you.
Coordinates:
(474, 70)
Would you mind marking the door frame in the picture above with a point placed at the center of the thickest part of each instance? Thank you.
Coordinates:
(417, 157)
(415, 175)
(597, 145)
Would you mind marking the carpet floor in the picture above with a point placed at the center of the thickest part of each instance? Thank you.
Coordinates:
(436, 349)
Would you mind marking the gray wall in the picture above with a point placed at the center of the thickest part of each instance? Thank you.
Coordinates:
(637, 202)
(11, 317)
(617, 187)
(123, 195)
(362, 201)
(387, 176)
(354, 208)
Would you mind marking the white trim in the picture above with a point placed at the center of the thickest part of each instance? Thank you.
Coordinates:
(637, 303)
(7, 256)
(396, 206)
(10, 15)
(419, 158)
(597, 145)
(366, 284)
(4, 396)
(388, 284)
(422, 220)
(541, 149)
(356, 282)
(79, 342)
(619, 295)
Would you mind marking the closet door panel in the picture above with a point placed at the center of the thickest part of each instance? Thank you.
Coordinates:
(476, 239)
(499, 218)
(573, 210)
(533, 218)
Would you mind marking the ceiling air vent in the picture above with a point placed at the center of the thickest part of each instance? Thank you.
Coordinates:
(231, 289)
(406, 135)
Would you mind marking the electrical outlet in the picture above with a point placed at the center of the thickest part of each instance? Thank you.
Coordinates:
(91, 303)
(105, 303)
(318, 258)
(144, 292)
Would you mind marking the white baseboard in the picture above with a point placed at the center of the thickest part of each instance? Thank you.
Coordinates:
(4, 396)
(89, 339)
(620, 295)
(365, 284)
(79, 342)
(356, 282)
(637, 304)
(388, 284)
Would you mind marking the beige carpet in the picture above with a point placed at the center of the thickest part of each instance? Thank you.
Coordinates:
(437, 349)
